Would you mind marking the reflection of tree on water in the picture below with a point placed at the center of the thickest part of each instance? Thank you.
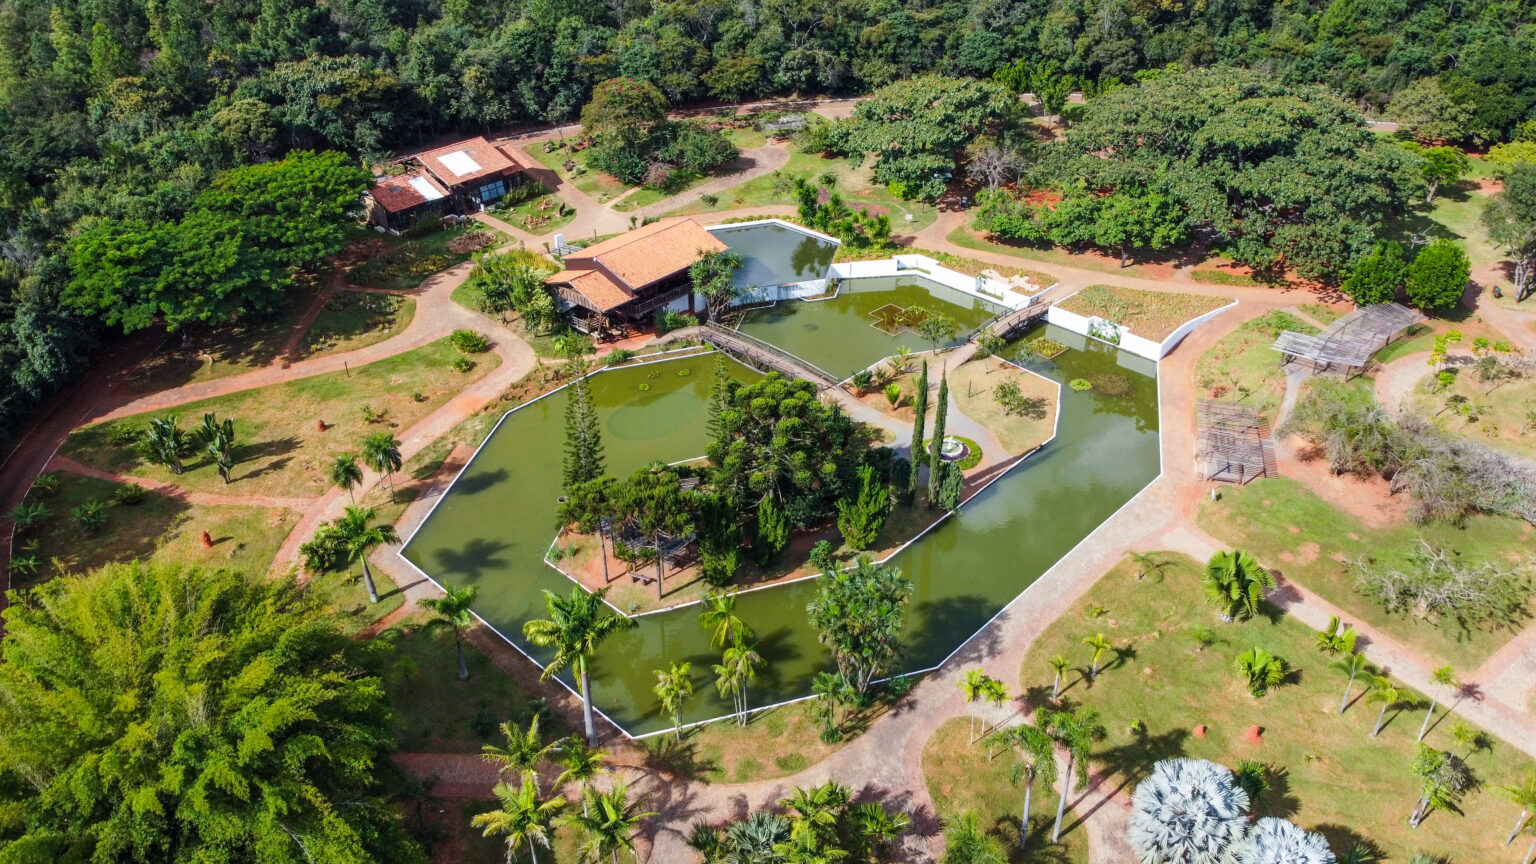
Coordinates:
(811, 257)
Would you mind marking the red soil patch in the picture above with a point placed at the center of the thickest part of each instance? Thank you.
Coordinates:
(1366, 498)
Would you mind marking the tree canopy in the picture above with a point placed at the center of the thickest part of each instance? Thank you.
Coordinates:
(154, 713)
(1284, 174)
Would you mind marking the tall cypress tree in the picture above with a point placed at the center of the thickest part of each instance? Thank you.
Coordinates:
(936, 476)
(920, 402)
(719, 397)
(583, 437)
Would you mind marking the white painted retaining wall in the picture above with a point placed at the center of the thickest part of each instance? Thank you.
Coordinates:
(1095, 327)
(980, 287)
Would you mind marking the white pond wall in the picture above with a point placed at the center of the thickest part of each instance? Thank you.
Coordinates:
(1098, 328)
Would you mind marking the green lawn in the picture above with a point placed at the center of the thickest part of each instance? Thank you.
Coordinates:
(389, 263)
(158, 528)
(854, 183)
(1503, 418)
(205, 354)
(1244, 359)
(598, 186)
(282, 452)
(541, 214)
(963, 236)
(356, 319)
(1327, 773)
(1303, 537)
(960, 777)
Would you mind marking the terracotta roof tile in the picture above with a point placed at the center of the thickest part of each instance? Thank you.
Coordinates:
(650, 253)
(598, 287)
(405, 191)
(467, 161)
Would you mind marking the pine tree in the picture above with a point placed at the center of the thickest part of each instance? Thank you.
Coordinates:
(772, 531)
(860, 519)
(940, 410)
(920, 403)
(719, 397)
(583, 437)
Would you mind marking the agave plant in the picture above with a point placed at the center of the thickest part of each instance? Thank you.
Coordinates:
(1276, 841)
(1187, 810)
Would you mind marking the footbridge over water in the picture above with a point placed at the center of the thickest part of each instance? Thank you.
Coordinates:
(762, 355)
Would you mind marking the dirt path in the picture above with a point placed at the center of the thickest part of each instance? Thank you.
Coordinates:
(1395, 381)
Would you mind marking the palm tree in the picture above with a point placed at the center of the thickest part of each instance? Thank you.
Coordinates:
(813, 813)
(1382, 691)
(608, 822)
(1445, 677)
(164, 442)
(381, 450)
(672, 687)
(719, 615)
(1235, 583)
(1034, 757)
(1058, 665)
(1272, 839)
(976, 684)
(1261, 669)
(359, 538)
(1189, 810)
(737, 668)
(1075, 731)
(522, 818)
(1353, 664)
(525, 751)
(575, 628)
(1147, 565)
(453, 609)
(1525, 796)
(581, 764)
(966, 842)
(218, 441)
(346, 473)
(1336, 640)
(1099, 645)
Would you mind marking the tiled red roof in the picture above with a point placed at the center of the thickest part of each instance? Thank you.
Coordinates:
(469, 160)
(399, 193)
(650, 253)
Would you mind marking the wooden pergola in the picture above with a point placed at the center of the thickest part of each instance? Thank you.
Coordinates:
(1349, 342)
(1232, 442)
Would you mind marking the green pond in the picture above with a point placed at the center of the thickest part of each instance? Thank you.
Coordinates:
(775, 254)
(862, 324)
(493, 526)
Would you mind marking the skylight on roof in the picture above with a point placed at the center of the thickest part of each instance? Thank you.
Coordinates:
(460, 163)
(425, 188)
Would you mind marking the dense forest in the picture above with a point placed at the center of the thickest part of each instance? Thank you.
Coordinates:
(125, 111)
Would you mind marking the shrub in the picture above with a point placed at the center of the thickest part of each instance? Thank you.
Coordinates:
(123, 434)
(862, 380)
(618, 356)
(46, 484)
(130, 494)
(1438, 275)
(470, 341)
(462, 364)
(1080, 384)
(709, 200)
(90, 516)
(667, 321)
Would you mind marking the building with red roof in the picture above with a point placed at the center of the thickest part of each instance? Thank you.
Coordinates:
(460, 178)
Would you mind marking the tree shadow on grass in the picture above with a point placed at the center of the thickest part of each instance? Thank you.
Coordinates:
(679, 758)
(1342, 839)
(277, 450)
(1134, 760)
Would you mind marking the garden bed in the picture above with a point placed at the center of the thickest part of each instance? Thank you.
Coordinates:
(1152, 315)
(385, 262)
(973, 385)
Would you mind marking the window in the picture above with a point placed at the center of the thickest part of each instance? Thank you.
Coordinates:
(493, 191)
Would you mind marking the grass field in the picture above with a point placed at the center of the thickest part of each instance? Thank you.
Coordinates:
(853, 183)
(357, 319)
(972, 386)
(1149, 314)
(965, 236)
(596, 185)
(541, 214)
(960, 777)
(1303, 537)
(389, 263)
(158, 528)
(1243, 359)
(1326, 771)
(281, 450)
(1503, 418)
(205, 354)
